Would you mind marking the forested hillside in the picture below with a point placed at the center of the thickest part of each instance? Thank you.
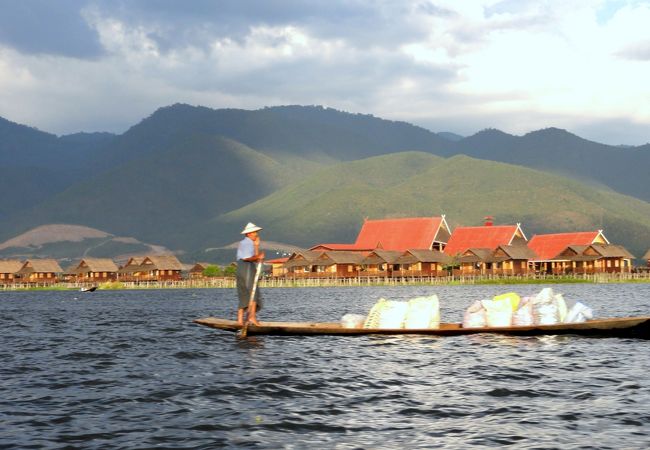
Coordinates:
(188, 177)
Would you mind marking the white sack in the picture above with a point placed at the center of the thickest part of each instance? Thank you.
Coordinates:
(524, 314)
(579, 313)
(393, 315)
(475, 316)
(353, 321)
(423, 312)
(545, 308)
(561, 306)
(498, 312)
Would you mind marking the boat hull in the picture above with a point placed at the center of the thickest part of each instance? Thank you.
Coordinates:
(633, 327)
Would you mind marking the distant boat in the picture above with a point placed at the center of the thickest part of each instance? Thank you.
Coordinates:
(89, 289)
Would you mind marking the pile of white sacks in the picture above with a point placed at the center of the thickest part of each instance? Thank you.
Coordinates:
(544, 308)
(417, 313)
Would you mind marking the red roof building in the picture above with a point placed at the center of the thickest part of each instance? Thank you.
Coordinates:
(339, 248)
(549, 246)
(277, 266)
(397, 234)
(485, 237)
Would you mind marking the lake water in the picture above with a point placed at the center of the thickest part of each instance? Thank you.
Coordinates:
(129, 369)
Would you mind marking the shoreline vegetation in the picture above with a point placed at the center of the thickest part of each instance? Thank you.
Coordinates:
(229, 283)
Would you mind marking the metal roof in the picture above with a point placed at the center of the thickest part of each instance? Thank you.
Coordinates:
(549, 246)
(488, 236)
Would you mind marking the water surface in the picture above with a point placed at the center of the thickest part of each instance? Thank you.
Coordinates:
(129, 369)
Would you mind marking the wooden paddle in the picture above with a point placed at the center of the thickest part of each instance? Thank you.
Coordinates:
(244, 329)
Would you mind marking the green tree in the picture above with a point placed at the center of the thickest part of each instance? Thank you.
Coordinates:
(213, 271)
(230, 271)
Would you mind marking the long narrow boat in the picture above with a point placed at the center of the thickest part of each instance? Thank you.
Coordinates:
(634, 327)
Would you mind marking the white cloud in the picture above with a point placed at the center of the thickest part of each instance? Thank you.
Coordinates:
(516, 65)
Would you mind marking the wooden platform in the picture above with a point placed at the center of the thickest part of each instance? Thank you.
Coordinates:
(635, 327)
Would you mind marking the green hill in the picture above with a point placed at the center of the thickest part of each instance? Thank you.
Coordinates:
(188, 178)
(157, 198)
(329, 206)
(310, 132)
(555, 150)
(36, 165)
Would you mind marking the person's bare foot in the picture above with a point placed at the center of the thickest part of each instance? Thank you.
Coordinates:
(240, 322)
(254, 322)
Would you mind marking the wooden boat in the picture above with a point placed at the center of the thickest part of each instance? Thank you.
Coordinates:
(635, 327)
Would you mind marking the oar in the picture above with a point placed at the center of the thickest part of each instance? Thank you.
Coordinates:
(244, 328)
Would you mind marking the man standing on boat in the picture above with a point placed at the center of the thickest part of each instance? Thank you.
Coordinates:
(248, 256)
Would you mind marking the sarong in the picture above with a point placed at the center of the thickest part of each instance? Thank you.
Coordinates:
(245, 277)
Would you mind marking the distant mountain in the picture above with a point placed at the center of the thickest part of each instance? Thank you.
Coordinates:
(326, 135)
(330, 205)
(309, 132)
(156, 198)
(555, 150)
(23, 146)
(123, 183)
(453, 137)
(189, 177)
(36, 165)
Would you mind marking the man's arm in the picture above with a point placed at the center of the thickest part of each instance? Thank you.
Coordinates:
(258, 256)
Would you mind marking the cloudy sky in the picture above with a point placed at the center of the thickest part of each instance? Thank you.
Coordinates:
(448, 65)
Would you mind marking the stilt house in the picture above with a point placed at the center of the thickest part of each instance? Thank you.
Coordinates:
(422, 263)
(40, 271)
(8, 270)
(95, 270)
(553, 253)
(475, 249)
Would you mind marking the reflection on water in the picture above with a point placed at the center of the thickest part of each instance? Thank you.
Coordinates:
(130, 370)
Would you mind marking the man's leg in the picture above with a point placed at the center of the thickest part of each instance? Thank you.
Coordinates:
(252, 313)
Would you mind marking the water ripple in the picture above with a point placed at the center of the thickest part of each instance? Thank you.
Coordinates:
(130, 370)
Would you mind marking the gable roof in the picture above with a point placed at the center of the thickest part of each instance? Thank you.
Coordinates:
(490, 236)
(548, 246)
(427, 256)
(395, 234)
(330, 258)
(516, 251)
(338, 247)
(200, 266)
(10, 265)
(95, 265)
(162, 262)
(134, 261)
(612, 251)
(382, 256)
(472, 255)
(571, 251)
(41, 266)
(302, 258)
(400, 234)
(594, 252)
